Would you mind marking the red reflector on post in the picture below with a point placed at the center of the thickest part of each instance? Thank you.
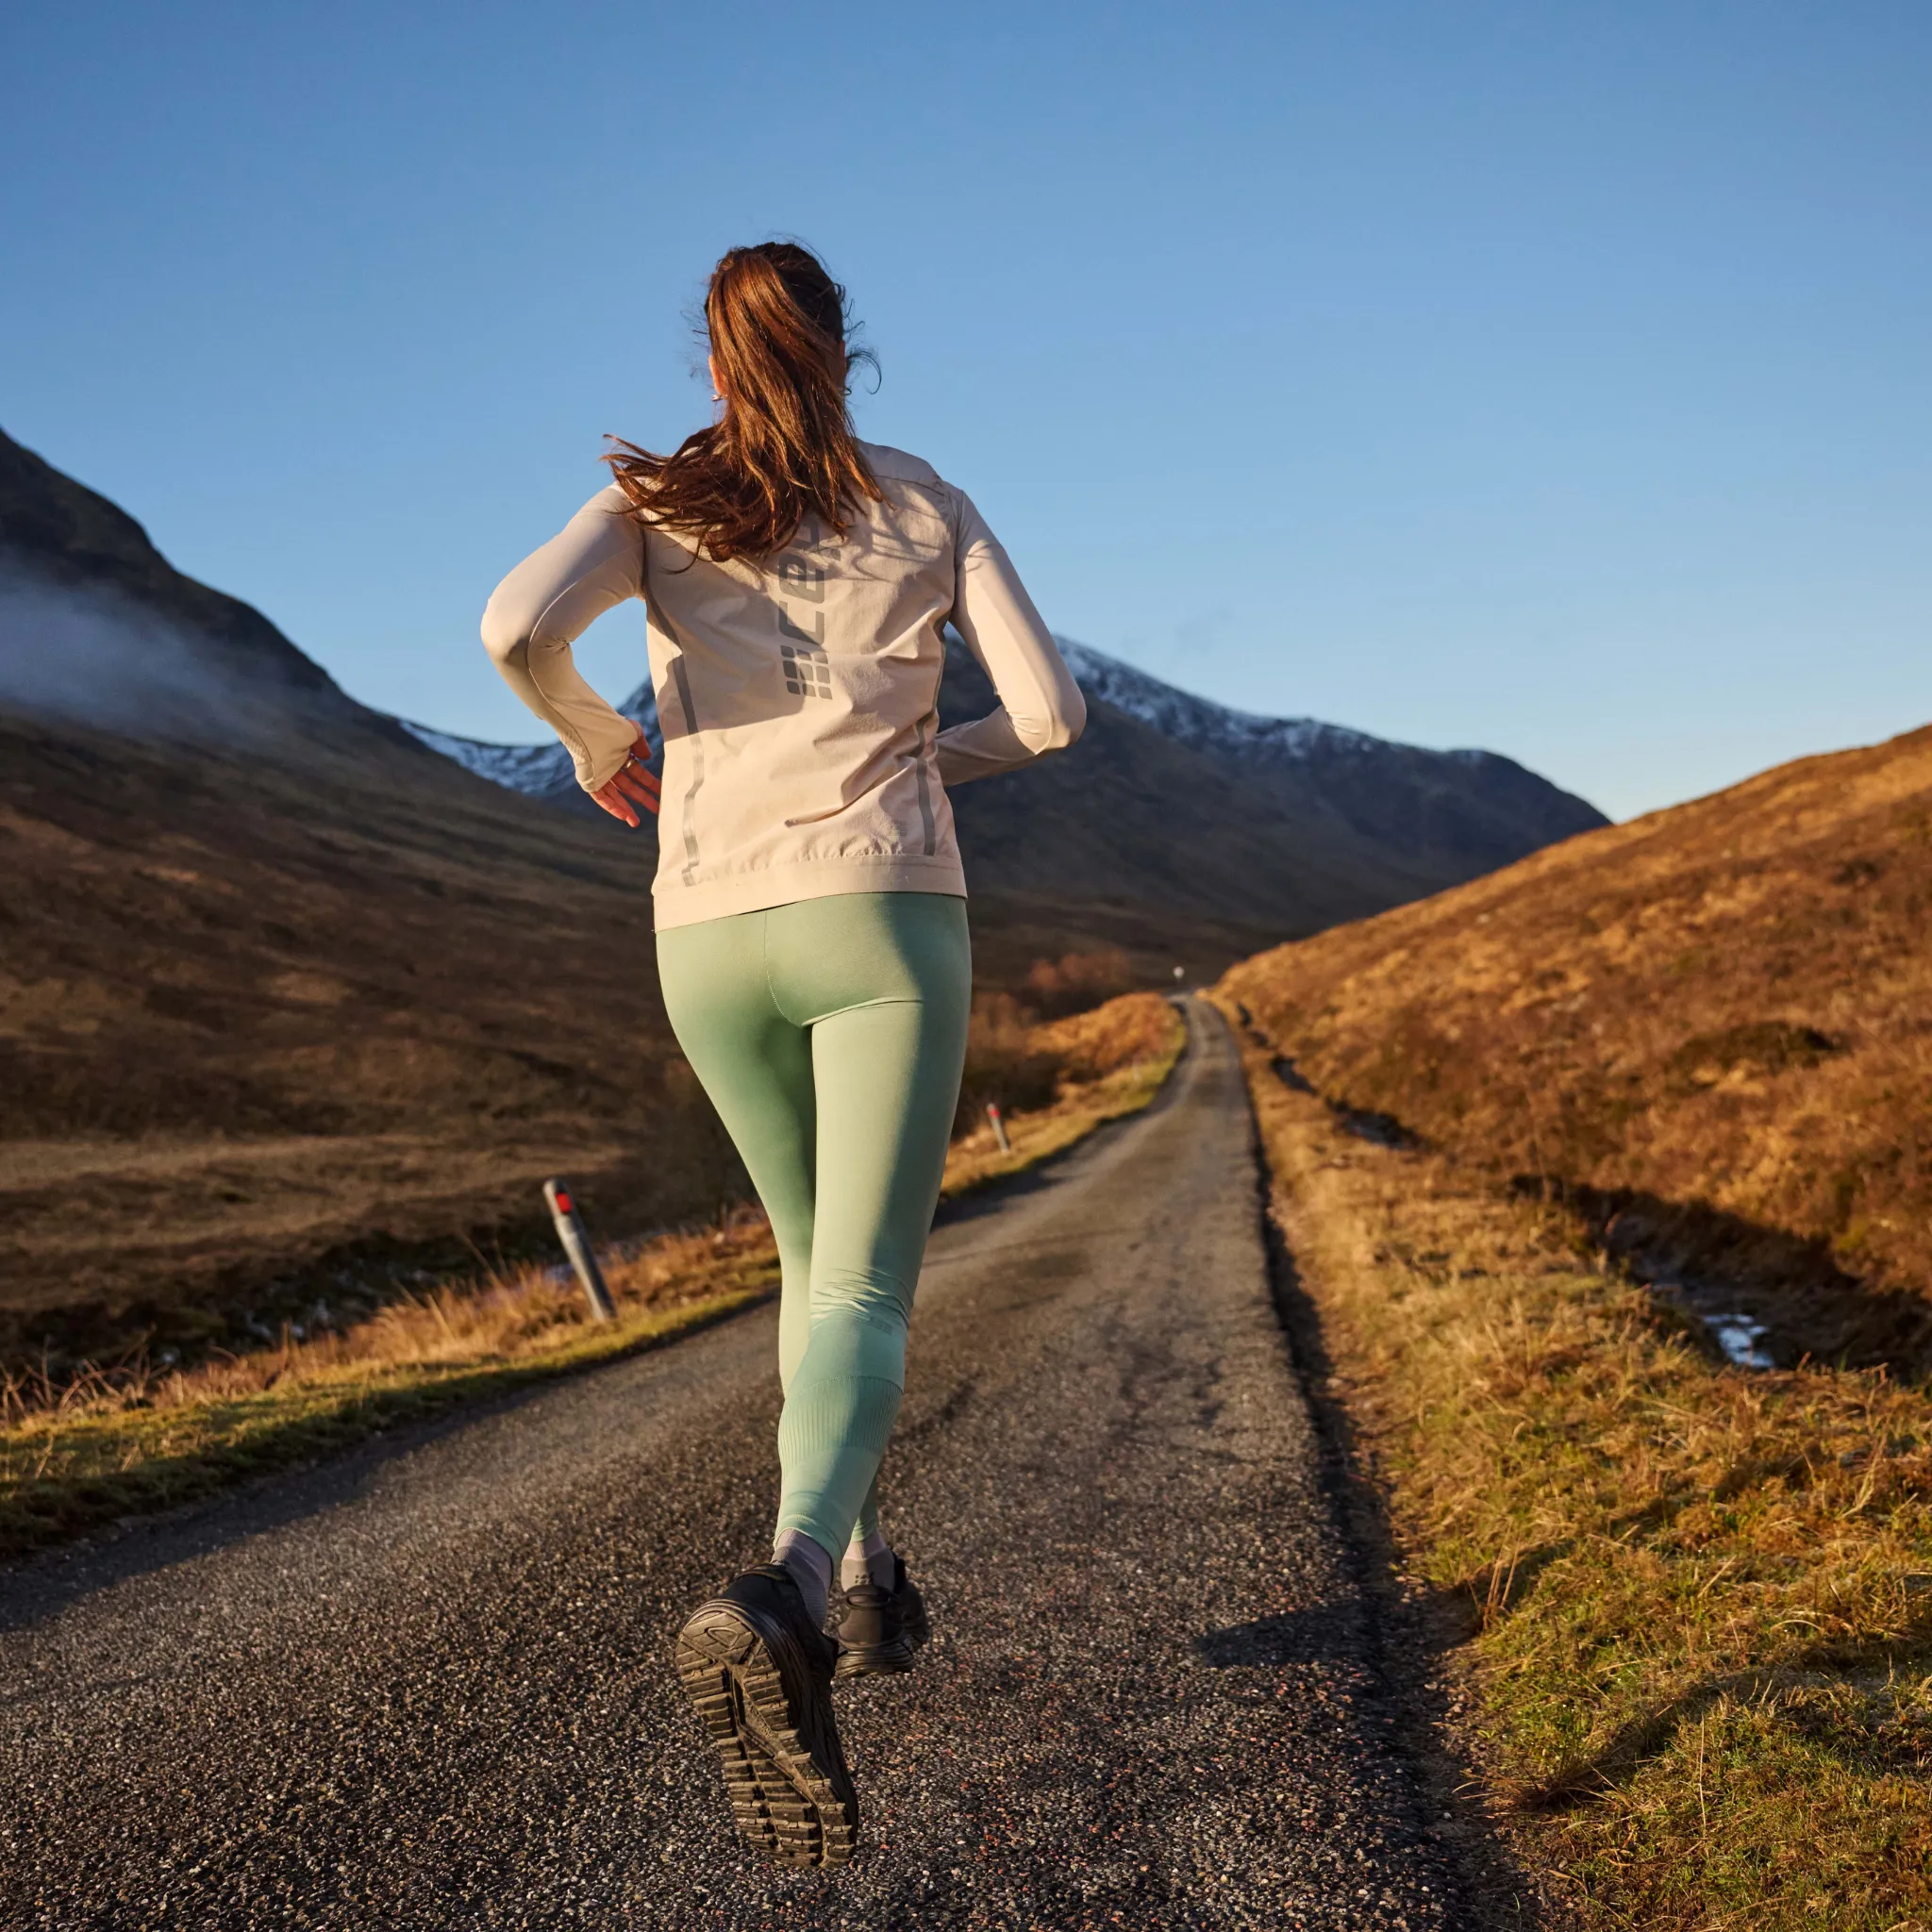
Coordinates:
(563, 1205)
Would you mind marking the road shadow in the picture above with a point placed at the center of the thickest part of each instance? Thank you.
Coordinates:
(1407, 1637)
(1308, 1636)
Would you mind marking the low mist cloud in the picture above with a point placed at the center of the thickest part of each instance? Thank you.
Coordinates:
(102, 661)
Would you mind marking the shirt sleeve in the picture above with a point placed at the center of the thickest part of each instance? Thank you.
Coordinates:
(544, 606)
(1041, 708)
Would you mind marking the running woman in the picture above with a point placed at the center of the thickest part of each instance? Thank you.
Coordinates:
(811, 926)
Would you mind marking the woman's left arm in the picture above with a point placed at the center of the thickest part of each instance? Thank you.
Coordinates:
(1041, 708)
(540, 610)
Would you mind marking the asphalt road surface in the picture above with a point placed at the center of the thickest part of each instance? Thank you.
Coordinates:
(428, 1686)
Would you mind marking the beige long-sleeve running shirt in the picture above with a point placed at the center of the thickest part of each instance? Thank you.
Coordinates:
(798, 697)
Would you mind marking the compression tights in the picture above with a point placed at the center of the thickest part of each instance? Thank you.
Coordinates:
(830, 1034)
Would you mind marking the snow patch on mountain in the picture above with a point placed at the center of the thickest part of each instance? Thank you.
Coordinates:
(518, 767)
(537, 769)
(1202, 722)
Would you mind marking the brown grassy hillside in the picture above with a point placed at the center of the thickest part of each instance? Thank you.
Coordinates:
(1710, 1028)
(262, 1025)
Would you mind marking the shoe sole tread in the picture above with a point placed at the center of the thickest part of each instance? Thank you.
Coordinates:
(783, 1800)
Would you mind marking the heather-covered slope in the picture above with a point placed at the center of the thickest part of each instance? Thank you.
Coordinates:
(253, 1018)
(1712, 1027)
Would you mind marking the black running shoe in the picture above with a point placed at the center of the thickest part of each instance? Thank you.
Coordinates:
(760, 1676)
(882, 1629)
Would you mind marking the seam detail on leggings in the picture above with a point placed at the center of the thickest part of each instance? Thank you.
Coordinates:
(682, 678)
(890, 999)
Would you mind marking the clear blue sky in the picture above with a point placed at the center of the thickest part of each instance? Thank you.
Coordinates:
(1550, 378)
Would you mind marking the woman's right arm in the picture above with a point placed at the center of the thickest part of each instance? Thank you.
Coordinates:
(544, 606)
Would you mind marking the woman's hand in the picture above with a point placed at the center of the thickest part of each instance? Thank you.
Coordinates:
(635, 785)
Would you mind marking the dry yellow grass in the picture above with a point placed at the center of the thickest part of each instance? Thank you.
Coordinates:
(111, 1444)
(1715, 1022)
(1698, 1601)
(106, 1443)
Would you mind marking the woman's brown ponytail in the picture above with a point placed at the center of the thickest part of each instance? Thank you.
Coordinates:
(784, 446)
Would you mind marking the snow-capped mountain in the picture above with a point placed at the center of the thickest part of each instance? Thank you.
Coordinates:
(1307, 821)
(1244, 736)
(1451, 813)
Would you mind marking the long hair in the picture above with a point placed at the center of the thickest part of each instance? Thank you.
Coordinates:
(784, 446)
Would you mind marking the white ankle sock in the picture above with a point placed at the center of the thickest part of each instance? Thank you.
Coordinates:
(810, 1568)
(869, 1559)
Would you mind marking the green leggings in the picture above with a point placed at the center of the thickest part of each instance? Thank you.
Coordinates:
(830, 1035)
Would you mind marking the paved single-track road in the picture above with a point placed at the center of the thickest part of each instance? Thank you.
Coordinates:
(427, 1686)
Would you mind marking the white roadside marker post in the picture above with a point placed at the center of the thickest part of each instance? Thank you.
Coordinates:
(577, 1244)
(999, 1126)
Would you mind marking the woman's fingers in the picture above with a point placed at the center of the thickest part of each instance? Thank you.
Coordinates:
(632, 784)
(613, 801)
(640, 785)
